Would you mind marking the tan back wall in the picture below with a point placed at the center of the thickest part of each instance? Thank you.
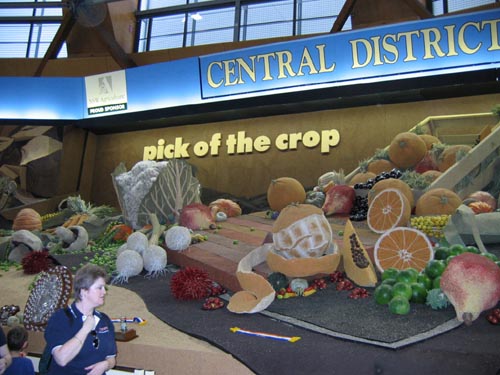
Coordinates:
(362, 130)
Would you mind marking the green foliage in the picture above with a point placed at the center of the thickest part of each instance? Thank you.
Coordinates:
(6, 265)
(79, 206)
(381, 153)
(437, 300)
(415, 180)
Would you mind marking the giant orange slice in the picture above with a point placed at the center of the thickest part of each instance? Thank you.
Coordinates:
(389, 209)
(402, 248)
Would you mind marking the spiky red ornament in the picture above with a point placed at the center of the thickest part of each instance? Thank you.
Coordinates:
(36, 262)
(190, 284)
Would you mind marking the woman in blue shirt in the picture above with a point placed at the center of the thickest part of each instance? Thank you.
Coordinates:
(80, 338)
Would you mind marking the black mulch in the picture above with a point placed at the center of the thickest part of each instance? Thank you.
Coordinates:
(335, 311)
(464, 350)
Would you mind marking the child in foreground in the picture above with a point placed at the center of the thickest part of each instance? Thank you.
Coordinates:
(17, 342)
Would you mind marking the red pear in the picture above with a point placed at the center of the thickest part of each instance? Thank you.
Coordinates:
(472, 284)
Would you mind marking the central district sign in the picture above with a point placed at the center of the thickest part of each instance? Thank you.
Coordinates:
(430, 46)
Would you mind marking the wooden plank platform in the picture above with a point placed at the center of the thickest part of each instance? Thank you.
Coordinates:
(220, 254)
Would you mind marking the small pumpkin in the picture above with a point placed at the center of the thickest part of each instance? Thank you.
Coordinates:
(406, 150)
(392, 183)
(284, 191)
(28, 219)
(378, 166)
(438, 201)
(480, 207)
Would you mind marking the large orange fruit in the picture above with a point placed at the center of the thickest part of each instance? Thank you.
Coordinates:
(451, 155)
(438, 201)
(389, 209)
(283, 191)
(392, 183)
(361, 178)
(380, 165)
(429, 140)
(432, 175)
(402, 248)
(406, 150)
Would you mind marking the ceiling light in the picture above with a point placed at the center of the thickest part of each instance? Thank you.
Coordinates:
(197, 16)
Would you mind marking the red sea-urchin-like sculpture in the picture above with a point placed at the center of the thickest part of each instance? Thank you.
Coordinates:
(190, 284)
(36, 262)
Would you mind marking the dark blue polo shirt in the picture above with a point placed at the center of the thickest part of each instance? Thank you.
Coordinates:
(64, 324)
(3, 339)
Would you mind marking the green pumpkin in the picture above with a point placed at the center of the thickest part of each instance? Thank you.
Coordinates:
(278, 280)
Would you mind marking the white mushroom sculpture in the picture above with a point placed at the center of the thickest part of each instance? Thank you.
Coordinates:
(23, 242)
(74, 238)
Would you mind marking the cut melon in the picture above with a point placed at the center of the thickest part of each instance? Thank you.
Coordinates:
(357, 264)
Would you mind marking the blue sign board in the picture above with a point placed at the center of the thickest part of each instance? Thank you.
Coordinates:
(435, 46)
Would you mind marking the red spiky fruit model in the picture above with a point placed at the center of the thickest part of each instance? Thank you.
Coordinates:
(190, 284)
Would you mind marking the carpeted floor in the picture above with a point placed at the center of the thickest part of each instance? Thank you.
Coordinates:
(464, 350)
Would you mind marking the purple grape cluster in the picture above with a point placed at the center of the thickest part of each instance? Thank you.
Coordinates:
(393, 173)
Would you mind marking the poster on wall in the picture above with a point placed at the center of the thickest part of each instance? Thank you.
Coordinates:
(106, 93)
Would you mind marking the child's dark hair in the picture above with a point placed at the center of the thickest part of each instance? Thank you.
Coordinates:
(16, 338)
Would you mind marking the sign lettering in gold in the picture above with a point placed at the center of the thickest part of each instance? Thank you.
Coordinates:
(240, 144)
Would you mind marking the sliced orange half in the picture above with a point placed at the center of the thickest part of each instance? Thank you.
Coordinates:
(388, 209)
(402, 248)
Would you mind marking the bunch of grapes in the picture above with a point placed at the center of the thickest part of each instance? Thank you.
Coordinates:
(393, 173)
(359, 209)
(432, 226)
